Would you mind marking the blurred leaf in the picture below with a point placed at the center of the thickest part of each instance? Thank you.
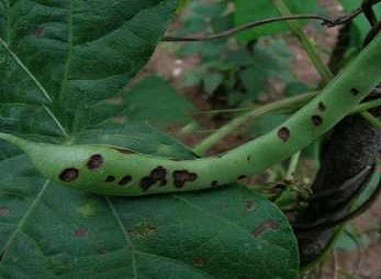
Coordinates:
(295, 88)
(193, 77)
(212, 81)
(254, 80)
(247, 11)
(155, 101)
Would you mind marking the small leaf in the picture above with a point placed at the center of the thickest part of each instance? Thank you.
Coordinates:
(212, 81)
(155, 101)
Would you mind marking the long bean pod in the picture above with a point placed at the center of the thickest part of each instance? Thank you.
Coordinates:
(111, 170)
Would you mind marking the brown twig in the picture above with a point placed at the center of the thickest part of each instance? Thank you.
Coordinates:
(227, 33)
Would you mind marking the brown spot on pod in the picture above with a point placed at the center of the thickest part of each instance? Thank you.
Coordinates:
(69, 175)
(241, 177)
(146, 182)
(80, 232)
(214, 183)
(321, 106)
(157, 175)
(317, 120)
(125, 180)
(355, 91)
(180, 177)
(284, 134)
(4, 211)
(266, 226)
(95, 162)
(110, 178)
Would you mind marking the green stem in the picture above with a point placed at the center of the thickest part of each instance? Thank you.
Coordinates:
(375, 122)
(292, 167)
(306, 43)
(367, 106)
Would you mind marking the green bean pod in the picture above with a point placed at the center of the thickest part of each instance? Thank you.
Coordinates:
(110, 170)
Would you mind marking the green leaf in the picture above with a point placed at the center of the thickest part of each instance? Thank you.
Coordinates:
(212, 81)
(155, 101)
(247, 11)
(48, 231)
(254, 81)
(69, 55)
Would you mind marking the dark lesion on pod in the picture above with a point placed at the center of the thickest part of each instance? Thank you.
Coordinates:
(157, 175)
(69, 174)
(321, 106)
(317, 120)
(125, 180)
(241, 177)
(214, 183)
(110, 178)
(284, 134)
(95, 162)
(180, 177)
(355, 91)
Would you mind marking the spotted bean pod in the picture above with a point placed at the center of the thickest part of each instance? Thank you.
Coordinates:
(110, 170)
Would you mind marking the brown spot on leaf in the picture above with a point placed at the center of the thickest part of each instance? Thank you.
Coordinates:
(110, 178)
(39, 32)
(4, 211)
(95, 162)
(321, 106)
(266, 226)
(199, 262)
(180, 177)
(69, 175)
(249, 205)
(317, 120)
(355, 91)
(146, 182)
(284, 134)
(142, 229)
(157, 175)
(80, 232)
(125, 180)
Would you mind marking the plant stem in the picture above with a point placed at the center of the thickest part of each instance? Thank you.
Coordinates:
(367, 106)
(375, 122)
(306, 43)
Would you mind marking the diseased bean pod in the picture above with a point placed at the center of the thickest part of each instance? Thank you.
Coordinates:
(111, 170)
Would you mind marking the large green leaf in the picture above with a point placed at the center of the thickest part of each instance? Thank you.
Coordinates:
(50, 232)
(247, 11)
(70, 55)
